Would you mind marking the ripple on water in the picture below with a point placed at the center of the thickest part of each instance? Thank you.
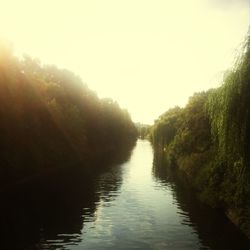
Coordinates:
(132, 206)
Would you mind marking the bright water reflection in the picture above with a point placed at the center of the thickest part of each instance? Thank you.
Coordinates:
(133, 206)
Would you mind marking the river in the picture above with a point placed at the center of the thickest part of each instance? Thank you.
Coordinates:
(134, 205)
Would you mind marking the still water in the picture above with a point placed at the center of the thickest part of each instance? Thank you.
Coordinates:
(135, 205)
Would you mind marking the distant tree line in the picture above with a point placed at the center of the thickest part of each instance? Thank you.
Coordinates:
(49, 119)
(208, 141)
(143, 130)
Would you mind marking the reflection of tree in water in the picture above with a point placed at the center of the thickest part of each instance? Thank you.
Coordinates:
(109, 183)
(214, 230)
(111, 178)
(51, 214)
(40, 213)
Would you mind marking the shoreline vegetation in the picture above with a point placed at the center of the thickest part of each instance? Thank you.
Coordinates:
(208, 141)
(51, 122)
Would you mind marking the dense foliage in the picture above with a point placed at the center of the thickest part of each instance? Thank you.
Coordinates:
(182, 135)
(49, 119)
(209, 141)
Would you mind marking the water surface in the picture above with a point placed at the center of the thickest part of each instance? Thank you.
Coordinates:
(135, 205)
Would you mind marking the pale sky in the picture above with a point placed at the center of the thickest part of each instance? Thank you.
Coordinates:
(149, 55)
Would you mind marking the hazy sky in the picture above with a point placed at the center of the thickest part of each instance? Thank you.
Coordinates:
(149, 55)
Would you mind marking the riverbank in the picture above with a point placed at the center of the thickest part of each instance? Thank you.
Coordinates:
(50, 120)
(239, 216)
(208, 142)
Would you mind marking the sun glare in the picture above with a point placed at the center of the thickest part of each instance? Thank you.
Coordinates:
(147, 55)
